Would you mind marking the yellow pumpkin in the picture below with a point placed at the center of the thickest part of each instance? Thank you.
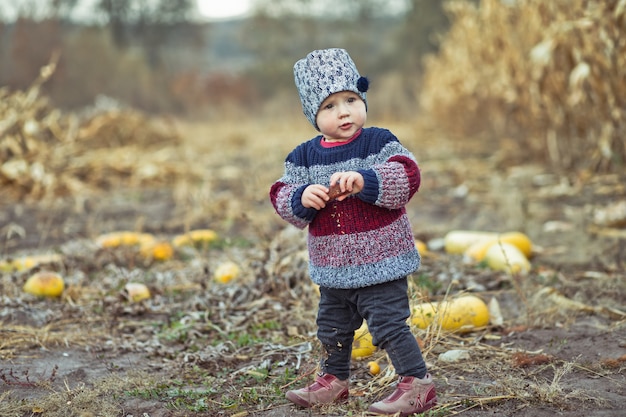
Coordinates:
(24, 264)
(6, 266)
(226, 272)
(124, 238)
(198, 237)
(421, 246)
(508, 258)
(373, 367)
(28, 262)
(45, 284)
(457, 241)
(424, 314)
(316, 288)
(519, 240)
(162, 251)
(459, 314)
(158, 251)
(362, 346)
(136, 292)
(478, 250)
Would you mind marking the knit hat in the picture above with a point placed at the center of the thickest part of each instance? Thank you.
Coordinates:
(325, 72)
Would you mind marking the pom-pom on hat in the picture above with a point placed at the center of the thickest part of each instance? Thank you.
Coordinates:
(325, 72)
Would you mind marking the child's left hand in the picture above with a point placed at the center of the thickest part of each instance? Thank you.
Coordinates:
(349, 182)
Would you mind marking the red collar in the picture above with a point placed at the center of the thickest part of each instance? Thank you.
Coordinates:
(334, 144)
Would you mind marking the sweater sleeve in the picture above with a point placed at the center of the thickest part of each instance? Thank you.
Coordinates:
(286, 195)
(392, 182)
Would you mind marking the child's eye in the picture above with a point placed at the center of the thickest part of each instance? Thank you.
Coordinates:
(328, 106)
(351, 99)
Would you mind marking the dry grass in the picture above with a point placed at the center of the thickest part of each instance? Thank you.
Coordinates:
(17, 338)
(268, 317)
(47, 153)
(96, 398)
(545, 80)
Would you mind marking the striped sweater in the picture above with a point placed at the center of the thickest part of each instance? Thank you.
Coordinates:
(365, 239)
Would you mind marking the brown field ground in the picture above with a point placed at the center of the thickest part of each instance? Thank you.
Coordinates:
(201, 348)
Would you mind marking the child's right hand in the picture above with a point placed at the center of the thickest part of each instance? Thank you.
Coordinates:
(315, 196)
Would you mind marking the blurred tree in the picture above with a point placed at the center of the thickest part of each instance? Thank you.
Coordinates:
(415, 37)
(33, 43)
(40, 9)
(274, 42)
(117, 15)
(62, 10)
(424, 20)
(29, 41)
(153, 24)
(330, 9)
(3, 45)
(282, 31)
(129, 46)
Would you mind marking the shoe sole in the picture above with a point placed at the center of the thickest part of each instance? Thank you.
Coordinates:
(297, 400)
(294, 398)
(430, 404)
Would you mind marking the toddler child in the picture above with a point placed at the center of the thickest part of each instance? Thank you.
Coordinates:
(350, 185)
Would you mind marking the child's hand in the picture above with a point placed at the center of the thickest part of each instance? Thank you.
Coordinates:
(349, 182)
(315, 196)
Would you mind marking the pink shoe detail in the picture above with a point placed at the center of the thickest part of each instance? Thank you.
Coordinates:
(412, 395)
(326, 389)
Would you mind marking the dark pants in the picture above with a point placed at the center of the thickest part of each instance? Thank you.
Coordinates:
(385, 308)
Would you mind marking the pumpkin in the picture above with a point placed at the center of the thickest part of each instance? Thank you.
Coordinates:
(157, 251)
(464, 313)
(519, 240)
(124, 238)
(478, 250)
(136, 292)
(508, 258)
(457, 241)
(362, 346)
(226, 272)
(6, 266)
(373, 367)
(45, 284)
(198, 237)
(421, 246)
(28, 262)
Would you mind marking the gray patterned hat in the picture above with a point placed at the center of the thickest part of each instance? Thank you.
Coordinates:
(325, 72)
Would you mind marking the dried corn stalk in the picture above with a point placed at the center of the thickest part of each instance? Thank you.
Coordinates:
(551, 75)
(45, 152)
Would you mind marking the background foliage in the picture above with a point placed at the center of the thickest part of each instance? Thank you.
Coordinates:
(157, 57)
(544, 81)
(547, 78)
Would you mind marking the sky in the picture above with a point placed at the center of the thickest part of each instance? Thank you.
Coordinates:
(223, 9)
(209, 9)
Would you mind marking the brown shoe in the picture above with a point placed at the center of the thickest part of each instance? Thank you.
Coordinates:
(413, 395)
(326, 389)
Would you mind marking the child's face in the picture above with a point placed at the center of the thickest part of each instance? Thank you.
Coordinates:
(341, 115)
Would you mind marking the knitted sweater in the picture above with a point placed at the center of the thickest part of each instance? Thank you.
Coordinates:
(365, 239)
